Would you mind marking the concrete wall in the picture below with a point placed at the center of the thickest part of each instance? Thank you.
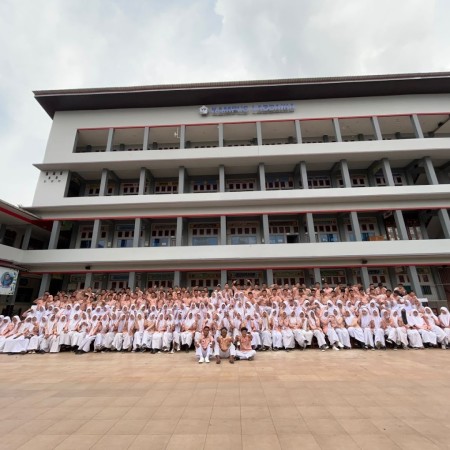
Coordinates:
(60, 156)
(227, 203)
(65, 124)
(337, 254)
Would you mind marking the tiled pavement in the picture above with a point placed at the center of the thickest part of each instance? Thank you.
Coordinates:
(297, 400)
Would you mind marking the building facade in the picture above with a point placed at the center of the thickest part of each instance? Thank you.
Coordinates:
(337, 180)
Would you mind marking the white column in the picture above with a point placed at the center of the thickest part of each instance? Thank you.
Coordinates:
(376, 128)
(223, 278)
(414, 280)
(223, 230)
(179, 234)
(104, 183)
(182, 136)
(310, 227)
(416, 126)
(54, 236)
(265, 226)
(137, 231)
(181, 180)
(259, 133)
(345, 173)
(88, 280)
(337, 130)
(221, 178)
(110, 139)
(45, 283)
(132, 280)
(262, 177)
(145, 142)
(26, 238)
(355, 225)
(95, 233)
(298, 132)
(142, 180)
(304, 175)
(221, 141)
(317, 276)
(365, 277)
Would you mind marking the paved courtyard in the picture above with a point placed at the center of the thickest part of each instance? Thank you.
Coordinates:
(298, 400)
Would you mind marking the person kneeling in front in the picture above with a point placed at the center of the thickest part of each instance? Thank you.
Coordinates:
(244, 345)
(203, 346)
(224, 347)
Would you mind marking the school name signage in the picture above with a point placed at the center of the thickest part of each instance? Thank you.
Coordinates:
(240, 110)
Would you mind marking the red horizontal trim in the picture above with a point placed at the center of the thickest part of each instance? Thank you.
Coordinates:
(266, 120)
(240, 269)
(237, 215)
(37, 222)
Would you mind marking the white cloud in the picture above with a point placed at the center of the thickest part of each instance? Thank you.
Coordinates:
(52, 44)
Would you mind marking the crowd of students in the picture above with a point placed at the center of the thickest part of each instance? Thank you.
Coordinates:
(232, 321)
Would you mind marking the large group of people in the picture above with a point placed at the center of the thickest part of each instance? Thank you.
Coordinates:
(232, 322)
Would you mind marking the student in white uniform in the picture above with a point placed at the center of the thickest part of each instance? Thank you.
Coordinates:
(243, 345)
(204, 346)
(366, 323)
(444, 319)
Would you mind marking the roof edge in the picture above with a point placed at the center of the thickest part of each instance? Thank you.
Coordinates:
(242, 83)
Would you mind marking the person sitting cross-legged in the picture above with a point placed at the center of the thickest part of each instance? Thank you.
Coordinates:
(224, 347)
(244, 343)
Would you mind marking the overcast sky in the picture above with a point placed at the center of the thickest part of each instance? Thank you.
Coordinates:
(56, 44)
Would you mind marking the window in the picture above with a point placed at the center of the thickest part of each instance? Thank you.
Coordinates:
(125, 236)
(243, 240)
(241, 185)
(166, 187)
(204, 279)
(85, 236)
(426, 290)
(205, 185)
(367, 230)
(380, 180)
(333, 277)
(291, 278)
(93, 190)
(163, 235)
(283, 232)
(131, 188)
(242, 233)
(205, 234)
(281, 182)
(413, 229)
(159, 283)
(356, 181)
(319, 182)
(326, 232)
(86, 239)
(125, 239)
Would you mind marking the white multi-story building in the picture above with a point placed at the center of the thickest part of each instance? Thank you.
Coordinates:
(336, 180)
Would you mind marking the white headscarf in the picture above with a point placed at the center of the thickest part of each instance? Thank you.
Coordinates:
(444, 317)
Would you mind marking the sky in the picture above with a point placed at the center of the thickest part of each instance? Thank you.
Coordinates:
(60, 44)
